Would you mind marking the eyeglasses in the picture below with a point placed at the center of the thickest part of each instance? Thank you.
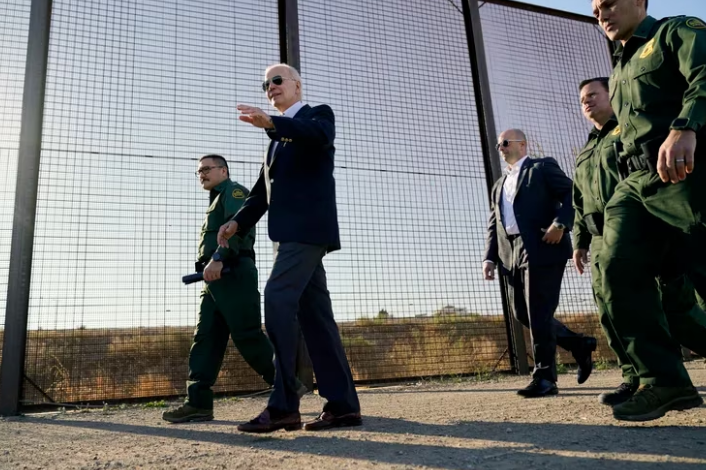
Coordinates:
(207, 169)
(277, 80)
(506, 143)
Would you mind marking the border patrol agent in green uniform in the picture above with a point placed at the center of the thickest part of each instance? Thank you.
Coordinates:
(595, 180)
(230, 305)
(658, 93)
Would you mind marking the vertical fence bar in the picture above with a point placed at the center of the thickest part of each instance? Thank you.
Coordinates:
(289, 33)
(486, 124)
(289, 54)
(18, 287)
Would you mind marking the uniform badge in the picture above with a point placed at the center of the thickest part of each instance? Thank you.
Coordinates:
(238, 194)
(695, 23)
(648, 49)
(616, 131)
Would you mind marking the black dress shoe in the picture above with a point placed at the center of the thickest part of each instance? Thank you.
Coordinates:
(328, 420)
(268, 421)
(584, 361)
(539, 388)
(620, 395)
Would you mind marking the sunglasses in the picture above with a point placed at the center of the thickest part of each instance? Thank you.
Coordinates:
(276, 80)
(506, 143)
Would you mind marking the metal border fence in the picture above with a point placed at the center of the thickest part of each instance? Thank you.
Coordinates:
(428, 47)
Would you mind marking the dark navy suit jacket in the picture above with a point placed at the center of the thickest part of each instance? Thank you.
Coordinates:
(296, 183)
(543, 196)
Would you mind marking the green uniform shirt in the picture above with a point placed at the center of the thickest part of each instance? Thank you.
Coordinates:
(595, 179)
(659, 80)
(226, 200)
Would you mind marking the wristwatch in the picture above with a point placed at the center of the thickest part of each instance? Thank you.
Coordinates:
(559, 226)
(684, 124)
(218, 257)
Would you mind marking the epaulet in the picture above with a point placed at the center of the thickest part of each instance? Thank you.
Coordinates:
(691, 22)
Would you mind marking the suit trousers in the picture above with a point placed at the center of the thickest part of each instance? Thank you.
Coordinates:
(533, 294)
(295, 290)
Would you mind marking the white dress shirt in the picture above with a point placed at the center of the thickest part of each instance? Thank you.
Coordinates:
(507, 198)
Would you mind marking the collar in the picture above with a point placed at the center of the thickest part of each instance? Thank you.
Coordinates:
(293, 110)
(516, 167)
(643, 31)
(607, 127)
(218, 189)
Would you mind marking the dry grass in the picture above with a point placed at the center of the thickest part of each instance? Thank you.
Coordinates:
(107, 364)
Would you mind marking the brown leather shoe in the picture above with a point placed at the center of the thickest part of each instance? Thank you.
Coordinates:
(266, 423)
(328, 420)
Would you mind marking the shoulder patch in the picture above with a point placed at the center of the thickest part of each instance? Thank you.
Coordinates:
(616, 131)
(238, 194)
(648, 49)
(695, 23)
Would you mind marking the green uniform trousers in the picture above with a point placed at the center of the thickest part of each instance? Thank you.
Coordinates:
(687, 321)
(640, 221)
(229, 307)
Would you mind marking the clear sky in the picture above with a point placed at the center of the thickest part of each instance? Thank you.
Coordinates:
(658, 8)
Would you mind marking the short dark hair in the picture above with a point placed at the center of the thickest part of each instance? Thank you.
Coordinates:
(219, 159)
(647, 2)
(602, 80)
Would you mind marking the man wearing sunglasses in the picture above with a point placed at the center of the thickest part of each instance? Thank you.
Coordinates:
(297, 187)
(529, 240)
(595, 180)
(230, 304)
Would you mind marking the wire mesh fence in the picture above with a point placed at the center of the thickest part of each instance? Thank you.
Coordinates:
(137, 91)
(411, 187)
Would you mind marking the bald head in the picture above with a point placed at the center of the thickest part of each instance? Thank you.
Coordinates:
(515, 134)
(512, 145)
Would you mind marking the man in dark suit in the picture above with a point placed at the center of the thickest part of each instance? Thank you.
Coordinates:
(297, 186)
(531, 209)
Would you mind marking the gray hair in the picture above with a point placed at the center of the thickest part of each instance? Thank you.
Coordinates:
(293, 73)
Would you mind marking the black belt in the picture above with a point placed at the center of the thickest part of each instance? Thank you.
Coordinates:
(628, 165)
(594, 223)
(230, 262)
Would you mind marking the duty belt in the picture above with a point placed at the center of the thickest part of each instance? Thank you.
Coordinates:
(647, 160)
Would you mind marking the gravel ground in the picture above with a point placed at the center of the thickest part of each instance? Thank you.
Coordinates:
(461, 424)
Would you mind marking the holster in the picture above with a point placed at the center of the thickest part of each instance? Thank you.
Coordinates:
(647, 160)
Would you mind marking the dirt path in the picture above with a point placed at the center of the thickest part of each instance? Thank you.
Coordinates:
(462, 425)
